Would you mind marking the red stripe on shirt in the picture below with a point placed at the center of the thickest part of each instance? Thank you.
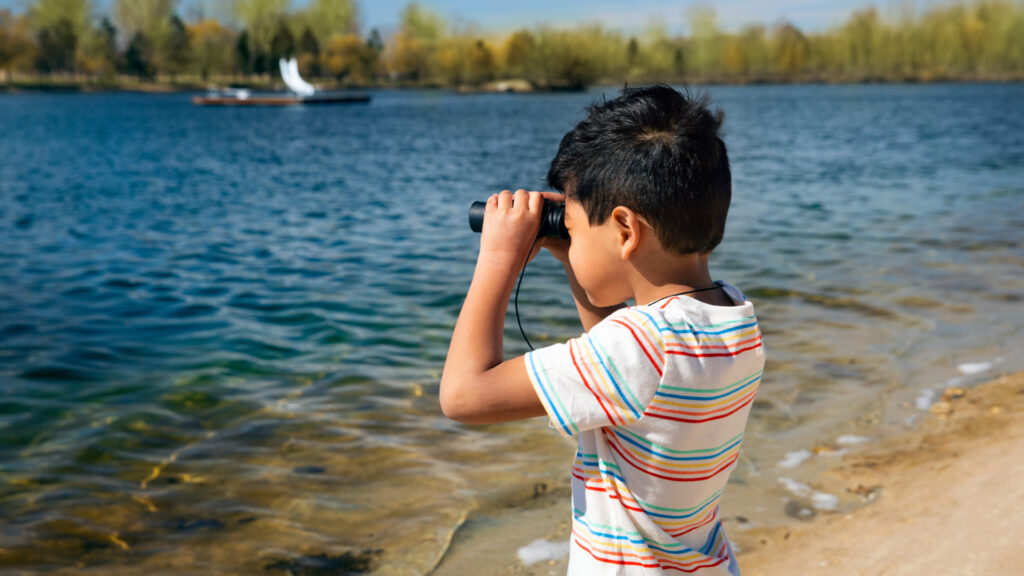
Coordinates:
(587, 384)
(643, 347)
(615, 448)
(653, 412)
(735, 353)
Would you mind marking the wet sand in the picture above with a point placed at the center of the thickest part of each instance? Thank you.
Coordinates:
(945, 498)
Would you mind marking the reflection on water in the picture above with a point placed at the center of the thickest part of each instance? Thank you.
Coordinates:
(221, 330)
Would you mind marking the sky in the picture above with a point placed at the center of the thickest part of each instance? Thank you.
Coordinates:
(499, 16)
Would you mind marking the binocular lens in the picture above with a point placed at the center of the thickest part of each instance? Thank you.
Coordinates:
(552, 219)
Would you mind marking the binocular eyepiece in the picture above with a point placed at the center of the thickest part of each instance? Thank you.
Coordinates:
(552, 219)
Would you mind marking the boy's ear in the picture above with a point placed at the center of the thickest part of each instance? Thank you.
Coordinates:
(627, 230)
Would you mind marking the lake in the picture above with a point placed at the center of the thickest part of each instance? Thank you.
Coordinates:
(221, 330)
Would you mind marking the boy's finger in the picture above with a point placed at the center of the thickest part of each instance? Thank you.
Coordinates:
(554, 196)
(522, 199)
(504, 200)
(536, 202)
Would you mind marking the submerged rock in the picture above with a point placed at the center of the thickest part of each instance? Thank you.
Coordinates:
(324, 565)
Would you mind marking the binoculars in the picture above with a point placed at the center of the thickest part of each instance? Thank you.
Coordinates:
(552, 219)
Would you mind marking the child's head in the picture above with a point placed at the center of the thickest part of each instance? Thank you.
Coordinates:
(657, 152)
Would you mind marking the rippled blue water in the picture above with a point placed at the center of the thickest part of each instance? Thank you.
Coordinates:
(221, 330)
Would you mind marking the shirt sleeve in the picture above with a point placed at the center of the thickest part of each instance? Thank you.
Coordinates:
(606, 377)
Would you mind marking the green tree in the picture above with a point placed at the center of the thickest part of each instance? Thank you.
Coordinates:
(705, 39)
(138, 58)
(177, 48)
(260, 19)
(58, 25)
(862, 35)
(15, 41)
(57, 45)
(575, 59)
(416, 43)
(519, 49)
(309, 53)
(347, 57)
(152, 21)
(212, 47)
(465, 59)
(150, 17)
(326, 18)
(282, 45)
(791, 50)
(97, 55)
(52, 14)
(658, 53)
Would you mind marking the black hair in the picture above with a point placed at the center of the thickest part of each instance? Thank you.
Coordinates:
(656, 151)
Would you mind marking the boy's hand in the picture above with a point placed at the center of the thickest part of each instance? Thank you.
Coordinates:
(511, 222)
(477, 386)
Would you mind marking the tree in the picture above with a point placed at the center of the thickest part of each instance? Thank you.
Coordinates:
(150, 17)
(309, 53)
(152, 22)
(575, 59)
(49, 15)
(57, 45)
(347, 57)
(244, 52)
(97, 53)
(416, 43)
(260, 19)
(465, 60)
(282, 45)
(422, 23)
(705, 39)
(862, 33)
(519, 50)
(138, 58)
(212, 45)
(632, 51)
(326, 18)
(177, 49)
(657, 54)
(15, 41)
(791, 50)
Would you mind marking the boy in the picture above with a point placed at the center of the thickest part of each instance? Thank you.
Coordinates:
(658, 393)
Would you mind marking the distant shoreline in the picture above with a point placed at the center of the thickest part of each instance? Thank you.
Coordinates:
(26, 85)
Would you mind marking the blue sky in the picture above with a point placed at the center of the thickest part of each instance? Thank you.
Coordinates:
(635, 15)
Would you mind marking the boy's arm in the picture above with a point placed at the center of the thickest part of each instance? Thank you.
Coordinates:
(477, 387)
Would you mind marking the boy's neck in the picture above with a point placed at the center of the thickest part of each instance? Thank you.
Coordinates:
(657, 278)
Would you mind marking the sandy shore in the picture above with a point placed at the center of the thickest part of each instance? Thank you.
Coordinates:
(945, 499)
(948, 500)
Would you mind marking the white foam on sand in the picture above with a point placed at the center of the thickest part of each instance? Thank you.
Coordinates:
(820, 500)
(794, 459)
(541, 550)
(824, 502)
(852, 440)
(924, 399)
(798, 488)
(969, 368)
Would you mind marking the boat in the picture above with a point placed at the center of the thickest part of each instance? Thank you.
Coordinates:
(300, 93)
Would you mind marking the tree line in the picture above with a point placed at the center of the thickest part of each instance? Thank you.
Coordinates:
(148, 40)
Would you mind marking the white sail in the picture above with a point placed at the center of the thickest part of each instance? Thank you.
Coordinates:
(291, 77)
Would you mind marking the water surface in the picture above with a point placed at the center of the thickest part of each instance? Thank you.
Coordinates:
(221, 330)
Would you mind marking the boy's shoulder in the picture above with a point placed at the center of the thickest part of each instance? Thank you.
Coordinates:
(680, 308)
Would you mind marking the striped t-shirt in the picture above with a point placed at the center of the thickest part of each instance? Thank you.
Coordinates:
(657, 397)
